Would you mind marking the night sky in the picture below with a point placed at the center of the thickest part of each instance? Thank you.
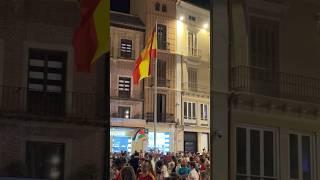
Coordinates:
(124, 5)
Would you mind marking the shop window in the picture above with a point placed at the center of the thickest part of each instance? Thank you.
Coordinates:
(45, 160)
(124, 112)
(162, 36)
(300, 154)
(204, 112)
(124, 87)
(46, 81)
(126, 49)
(255, 153)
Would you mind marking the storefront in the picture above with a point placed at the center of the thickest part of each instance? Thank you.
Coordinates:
(190, 141)
(121, 140)
(164, 140)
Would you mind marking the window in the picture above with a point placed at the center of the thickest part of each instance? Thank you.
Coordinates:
(190, 111)
(192, 44)
(46, 82)
(300, 157)
(255, 153)
(192, 18)
(264, 42)
(264, 55)
(124, 112)
(162, 36)
(164, 8)
(157, 6)
(45, 160)
(126, 49)
(124, 87)
(193, 78)
(161, 108)
(204, 112)
(162, 73)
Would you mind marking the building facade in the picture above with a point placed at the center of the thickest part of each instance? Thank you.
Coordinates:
(192, 54)
(161, 14)
(182, 87)
(272, 130)
(49, 120)
(127, 99)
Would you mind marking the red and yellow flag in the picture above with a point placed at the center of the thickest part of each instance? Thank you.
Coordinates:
(142, 68)
(91, 38)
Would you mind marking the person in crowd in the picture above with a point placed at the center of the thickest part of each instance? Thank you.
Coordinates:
(164, 170)
(134, 161)
(184, 170)
(146, 171)
(193, 175)
(127, 173)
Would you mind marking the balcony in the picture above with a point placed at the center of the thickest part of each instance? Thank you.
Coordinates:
(67, 107)
(275, 84)
(194, 52)
(134, 121)
(161, 118)
(161, 82)
(195, 88)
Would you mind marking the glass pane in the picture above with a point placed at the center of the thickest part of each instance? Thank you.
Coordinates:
(241, 151)
(268, 154)
(185, 109)
(294, 157)
(189, 110)
(241, 178)
(306, 158)
(193, 110)
(255, 152)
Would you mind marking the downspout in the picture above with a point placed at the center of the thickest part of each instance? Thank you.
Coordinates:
(230, 29)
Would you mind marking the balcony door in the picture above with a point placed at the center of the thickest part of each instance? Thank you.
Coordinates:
(264, 55)
(46, 82)
(161, 108)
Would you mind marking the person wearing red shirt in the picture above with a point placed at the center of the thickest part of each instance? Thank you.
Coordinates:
(147, 172)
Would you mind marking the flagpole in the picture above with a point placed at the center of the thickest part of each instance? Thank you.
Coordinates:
(155, 93)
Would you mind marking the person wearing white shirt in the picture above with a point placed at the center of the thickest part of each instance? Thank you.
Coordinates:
(193, 175)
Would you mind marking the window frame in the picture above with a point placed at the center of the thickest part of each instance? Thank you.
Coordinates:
(276, 161)
(124, 106)
(312, 154)
(118, 87)
(131, 53)
(193, 50)
(193, 112)
(202, 111)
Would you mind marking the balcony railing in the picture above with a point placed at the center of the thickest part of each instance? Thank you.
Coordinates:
(194, 52)
(161, 82)
(161, 118)
(72, 105)
(196, 87)
(275, 84)
(118, 115)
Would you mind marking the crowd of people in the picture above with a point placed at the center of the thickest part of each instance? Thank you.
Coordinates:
(160, 166)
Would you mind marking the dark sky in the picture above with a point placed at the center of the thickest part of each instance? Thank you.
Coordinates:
(124, 5)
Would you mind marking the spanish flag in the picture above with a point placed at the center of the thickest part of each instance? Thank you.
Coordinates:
(91, 38)
(142, 68)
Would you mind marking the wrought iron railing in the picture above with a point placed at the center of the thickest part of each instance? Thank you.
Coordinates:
(161, 82)
(196, 87)
(72, 105)
(276, 84)
(161, 118)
